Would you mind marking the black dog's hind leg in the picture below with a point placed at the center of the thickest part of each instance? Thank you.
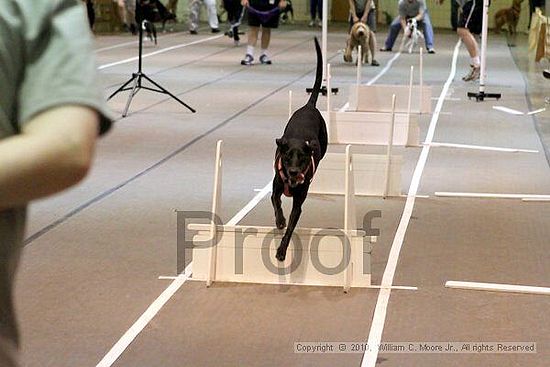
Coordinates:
(276, 192)
(298, 200)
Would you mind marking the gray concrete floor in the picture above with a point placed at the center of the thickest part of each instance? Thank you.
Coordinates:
(94, 254)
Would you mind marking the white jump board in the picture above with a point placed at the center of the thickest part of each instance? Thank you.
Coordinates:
(372, 128)
(377, 98)
(368, 172)
(240, 256)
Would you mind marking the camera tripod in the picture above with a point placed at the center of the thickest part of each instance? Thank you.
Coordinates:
(137, 77)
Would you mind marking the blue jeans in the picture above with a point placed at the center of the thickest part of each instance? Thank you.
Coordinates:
(425, 23)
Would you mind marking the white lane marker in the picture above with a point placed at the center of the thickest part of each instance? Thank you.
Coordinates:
(486, 195)
(144, 319)
(507, 110)
(163, 50)
(251, 205)
(133, 42)
(359, 195)
(379, 318)
(536, 111)
(496, 287)
(385, 69)
(481, 147)
(128, 337)
(344, 107)
(535, 199)
(394, 287)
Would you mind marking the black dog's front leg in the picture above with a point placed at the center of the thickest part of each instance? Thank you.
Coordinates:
(276, 192)
(299, 198)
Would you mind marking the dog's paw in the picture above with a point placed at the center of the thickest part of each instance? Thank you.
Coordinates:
(281, 253)
(280, 222)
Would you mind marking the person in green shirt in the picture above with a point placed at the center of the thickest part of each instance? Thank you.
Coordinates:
(51, 112)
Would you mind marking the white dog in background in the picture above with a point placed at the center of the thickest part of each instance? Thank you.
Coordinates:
(413, 34)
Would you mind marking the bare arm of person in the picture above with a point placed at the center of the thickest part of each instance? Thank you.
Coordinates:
(352, 11)
(54, 151)
(366, 13)
(420, 15)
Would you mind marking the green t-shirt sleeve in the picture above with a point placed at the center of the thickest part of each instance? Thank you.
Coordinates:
(60, 66)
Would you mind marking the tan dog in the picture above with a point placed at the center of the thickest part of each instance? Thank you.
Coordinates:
(360, 35)
(508, 16)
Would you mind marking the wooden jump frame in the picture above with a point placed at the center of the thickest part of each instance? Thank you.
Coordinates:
(319, 257)
(368, 112)
(374, 123)
(374, 174)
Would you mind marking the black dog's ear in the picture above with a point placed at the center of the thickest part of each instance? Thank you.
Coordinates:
(312, 145)
(282, 143)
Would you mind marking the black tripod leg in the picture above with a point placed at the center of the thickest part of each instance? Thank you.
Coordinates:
(170, 94)
(132, 94)
(122, 87)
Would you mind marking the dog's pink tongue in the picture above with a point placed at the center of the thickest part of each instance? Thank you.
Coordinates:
(301, 178)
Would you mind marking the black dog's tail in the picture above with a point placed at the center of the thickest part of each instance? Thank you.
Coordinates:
(318, 76)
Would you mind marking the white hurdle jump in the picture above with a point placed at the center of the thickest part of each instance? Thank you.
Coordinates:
(366, 123)
(318, 257)
(374, 174)
(374, 98)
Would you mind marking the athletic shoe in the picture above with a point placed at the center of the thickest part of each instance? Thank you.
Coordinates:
(383, 49)
(215, 30)
(248, 60)
(472, 75)
(431, 50)
(374, 63)
(265, 60)
(192, 31)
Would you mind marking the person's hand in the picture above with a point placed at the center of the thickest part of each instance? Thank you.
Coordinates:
(282, 4)
(407, 31)
(244, 3)
(355, 19)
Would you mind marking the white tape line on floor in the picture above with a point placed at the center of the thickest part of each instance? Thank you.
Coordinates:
(161, 51)
(379, 318)
(497, 287)
(481, 147)
(128, 337)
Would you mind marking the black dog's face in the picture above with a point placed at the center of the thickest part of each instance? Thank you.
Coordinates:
(295, 159)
